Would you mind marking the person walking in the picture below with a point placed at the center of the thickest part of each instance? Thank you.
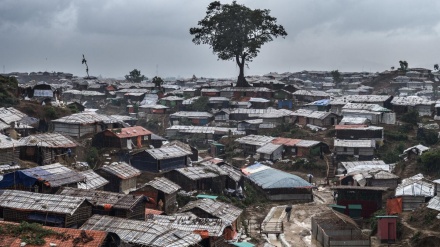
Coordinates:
(288, 211)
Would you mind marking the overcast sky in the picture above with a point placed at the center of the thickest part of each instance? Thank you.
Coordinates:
(118, 36)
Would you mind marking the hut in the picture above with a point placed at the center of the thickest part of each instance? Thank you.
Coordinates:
(415, 191)
(9, 150)
(44, 179)
(124, 138)
(369, 198)
(363, 149)
(111, 203)
(93, 181)
(160, 159)
(47, 147)
(142, 233)
(277, 185)
(51, 210)
(335, 229)
(212, 209)
(185, 146)
(160, 189)
(198, 178)
(122, 177)
(387, 228)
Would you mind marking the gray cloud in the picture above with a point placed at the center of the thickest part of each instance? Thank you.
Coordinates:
(117, 36)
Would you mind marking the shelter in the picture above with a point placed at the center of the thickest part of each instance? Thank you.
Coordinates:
(415, 191)
(142, 233)
(198, 178)
(251, 143)
(370, 198)
(317, 118)
(160, 159)
(195, 118)
(360, 132)
(185, 146)
(44, 179)
(277, 185)
(364, 149)
(122, 177)
(124, 138)
(387, 228)
(46, 148)
(80, 124)
(335, 229)
(9, 150)
(110, 203)
(160, 189)
(93, 181)
(52, 210)
(212, 209)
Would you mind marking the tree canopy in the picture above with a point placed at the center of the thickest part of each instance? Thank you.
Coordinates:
(236, 32)
(403, 65)
(157, 81)
(135, 76)
(337, 77)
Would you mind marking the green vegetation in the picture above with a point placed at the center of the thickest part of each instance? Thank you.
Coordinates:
(411, 117)
(157, 81)
(50, 112)
(427, 136)
(92, 157)
(31, 233)
(200, 104)
(8, 90)
(373, 220)
(337, 77)
(135, 76)
(395, 136)
(430, 161)
(236, 32)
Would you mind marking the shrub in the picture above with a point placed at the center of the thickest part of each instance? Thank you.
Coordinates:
(430, 161)
(411, 117)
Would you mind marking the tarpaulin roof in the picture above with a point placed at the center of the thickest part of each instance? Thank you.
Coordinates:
(270, 178)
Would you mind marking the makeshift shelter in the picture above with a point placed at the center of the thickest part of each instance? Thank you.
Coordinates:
(110, 203)
(44, 179)
(122, 177)
(9, 150)
(198, 178)
(142, 233)
(278, 185)
(370, 198)
(414, 192)
(335, 229)
(364, 149)
(160, 159)
(387, 228)
(46, 148)
(124, 138)
(93, 181)
(52, 210)
(160, 189)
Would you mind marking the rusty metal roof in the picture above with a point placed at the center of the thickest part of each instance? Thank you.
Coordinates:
(121, 170)
(227, 212)
(163, 184)
(130, 132)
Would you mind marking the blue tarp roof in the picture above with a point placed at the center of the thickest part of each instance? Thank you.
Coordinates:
(17, 177)
(272, 178)
(243, 244)
(322, 102)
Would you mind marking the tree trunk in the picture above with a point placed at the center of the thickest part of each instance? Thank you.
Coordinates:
(241, 80)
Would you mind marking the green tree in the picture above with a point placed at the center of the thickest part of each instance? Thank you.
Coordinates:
(236, 32)
(157, 82)
(135, 76)
(403, 65)
(200, 104)
(436, 66)
(337, 77)
(411, 117)
(430, 161)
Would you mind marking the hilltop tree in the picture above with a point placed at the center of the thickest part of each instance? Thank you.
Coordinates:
(337, 77)
(236, 32)
(403, 65)
(436, 66)
(135, 76)
(157, 81)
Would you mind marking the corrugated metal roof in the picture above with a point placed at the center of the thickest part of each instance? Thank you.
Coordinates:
(286, 141)
(93, 180)
(368, 107)
(205, 130)
(311, 114)
(191, 114)
(434, 203)
(256, 140)
(10, 114)
(227, 212)
(163, 184)
(411, 101)
(86, 118)
(167, 152)
(197, 172)
(49, 140)
(268, 148)
(359, 99)
(355, 143)
(121, 170)
(144, 233)
(8, 142)
(101, 198)
(311, 93)
(232, 172)
(214, 227)
(24, 200)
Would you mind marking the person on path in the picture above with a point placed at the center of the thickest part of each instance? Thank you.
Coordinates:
(288, 211)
